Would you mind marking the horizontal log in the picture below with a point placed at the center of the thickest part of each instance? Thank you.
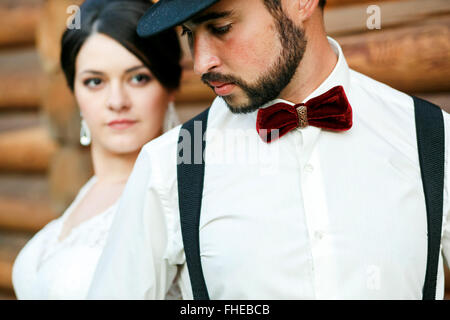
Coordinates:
(60, 109)
(6, 274)
(70, 170)
(26, 186)
(7, 294)
(341, 3)
(10, 246)
(18, 21)
(25, 202)
(188, 111)
(51, 26)
(193, 89)
(391, 14)
(20, 79)
(15, 119)
(24, 215)
(411, 59)
(28, 150)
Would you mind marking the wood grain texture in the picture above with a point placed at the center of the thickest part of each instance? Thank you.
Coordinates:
(25, 202)
(18, 21)
(24, 215)
(331, 4)
(411, 59)
(193, 89)
(15, 119)
(70, 170)
(21, 78)
(392, 13)
(187, 111)
(27, 150)
(7, 294)
(10, 246)
(61, 110)
(50, 29)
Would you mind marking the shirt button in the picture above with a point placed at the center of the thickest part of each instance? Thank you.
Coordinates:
(309, 168)
(318, 235)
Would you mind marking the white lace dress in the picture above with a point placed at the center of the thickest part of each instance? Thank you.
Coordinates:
(47, 268)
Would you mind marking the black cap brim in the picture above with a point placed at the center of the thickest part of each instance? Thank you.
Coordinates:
(167, 14)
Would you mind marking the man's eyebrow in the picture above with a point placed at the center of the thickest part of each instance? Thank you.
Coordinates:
(210, 16)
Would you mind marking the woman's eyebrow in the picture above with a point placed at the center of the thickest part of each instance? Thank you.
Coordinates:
(135, 68)
(96, 72)
(92, 71)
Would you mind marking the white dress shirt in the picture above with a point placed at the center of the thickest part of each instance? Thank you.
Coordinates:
(314, 215)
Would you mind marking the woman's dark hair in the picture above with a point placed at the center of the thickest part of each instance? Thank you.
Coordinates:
(118, 19)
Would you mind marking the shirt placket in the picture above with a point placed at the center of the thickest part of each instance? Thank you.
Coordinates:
(316, 215)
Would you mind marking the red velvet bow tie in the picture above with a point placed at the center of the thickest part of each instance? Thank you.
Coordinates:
(330, 110)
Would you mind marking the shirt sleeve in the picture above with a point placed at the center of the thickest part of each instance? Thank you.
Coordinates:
(133, 263)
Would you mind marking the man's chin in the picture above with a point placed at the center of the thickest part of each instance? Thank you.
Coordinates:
(239, 107)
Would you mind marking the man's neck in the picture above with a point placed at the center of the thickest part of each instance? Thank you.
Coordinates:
(317, 64)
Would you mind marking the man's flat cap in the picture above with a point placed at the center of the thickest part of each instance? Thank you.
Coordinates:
(166, 14)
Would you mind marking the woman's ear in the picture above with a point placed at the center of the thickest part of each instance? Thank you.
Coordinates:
(172, 95)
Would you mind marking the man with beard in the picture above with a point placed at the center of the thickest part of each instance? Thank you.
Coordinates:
(341, 212)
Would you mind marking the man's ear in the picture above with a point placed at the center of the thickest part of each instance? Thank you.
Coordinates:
(305, 8)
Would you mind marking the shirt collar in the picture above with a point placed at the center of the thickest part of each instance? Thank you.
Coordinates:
(340, 76)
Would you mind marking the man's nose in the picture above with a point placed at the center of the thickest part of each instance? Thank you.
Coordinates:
(204, 54)
(118, 98)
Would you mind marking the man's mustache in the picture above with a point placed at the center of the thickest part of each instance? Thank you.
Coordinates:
(213, 76)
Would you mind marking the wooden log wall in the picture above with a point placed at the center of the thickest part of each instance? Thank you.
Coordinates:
(39, 119)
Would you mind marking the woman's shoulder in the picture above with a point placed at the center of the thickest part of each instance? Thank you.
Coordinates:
(27, 261)
(43, 236)
(29, 256)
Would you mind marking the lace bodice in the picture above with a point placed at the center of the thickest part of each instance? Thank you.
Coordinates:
(47, 268)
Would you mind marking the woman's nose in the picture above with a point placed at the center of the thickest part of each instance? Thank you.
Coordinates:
(118, 99)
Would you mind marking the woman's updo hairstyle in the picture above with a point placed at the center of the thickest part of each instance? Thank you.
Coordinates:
(118, 19)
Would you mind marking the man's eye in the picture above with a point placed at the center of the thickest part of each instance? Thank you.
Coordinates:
(220, 30)
(186, 31)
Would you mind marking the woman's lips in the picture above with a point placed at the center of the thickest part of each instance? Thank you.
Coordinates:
(221, 88)
(121, 124)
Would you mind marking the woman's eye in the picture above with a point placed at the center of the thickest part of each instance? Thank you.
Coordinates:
(221, 30)
(140, 79)
(93, 82)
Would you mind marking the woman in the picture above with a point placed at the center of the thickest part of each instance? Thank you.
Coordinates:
(123, 85)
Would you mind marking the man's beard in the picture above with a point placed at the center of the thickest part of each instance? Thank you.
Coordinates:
(268, 86)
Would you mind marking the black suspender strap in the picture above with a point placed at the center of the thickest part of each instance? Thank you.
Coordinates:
(190, 176)
(431, 145)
